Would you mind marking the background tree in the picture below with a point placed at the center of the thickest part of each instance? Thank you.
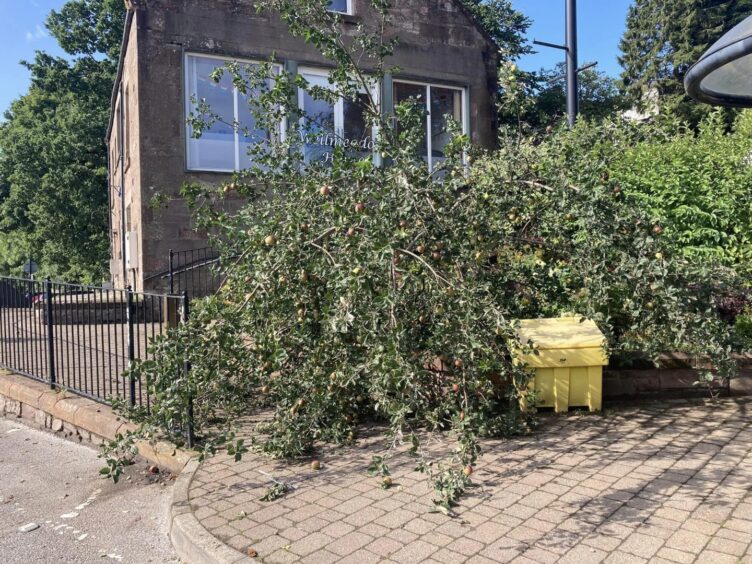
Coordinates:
(536, 100)
(664, 38)
(53, 159)
(599, 95)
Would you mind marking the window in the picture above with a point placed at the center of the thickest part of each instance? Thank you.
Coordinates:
(327, 125)
(343, 6)
(223, 147)
(440, 103)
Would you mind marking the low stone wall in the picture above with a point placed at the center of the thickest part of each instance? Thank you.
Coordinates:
(80, 310)
(77, 418)
(675, 376)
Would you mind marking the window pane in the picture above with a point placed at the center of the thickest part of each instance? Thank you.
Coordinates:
(357, 136)
(250, 134)
(338, 6)
(317, 127)
(404, 92)
(215, 149)
(445, 103)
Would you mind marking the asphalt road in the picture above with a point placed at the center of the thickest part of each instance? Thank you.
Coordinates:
(54, 483)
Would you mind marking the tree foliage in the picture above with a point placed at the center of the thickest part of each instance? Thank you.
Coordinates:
(664, 38)
(536, 100)
(599, 95)
(362, 292)
(89, 27)
(532, 102)
(53, 160)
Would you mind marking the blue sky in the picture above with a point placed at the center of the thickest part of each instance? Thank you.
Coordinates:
(601, 24)
(22, 32)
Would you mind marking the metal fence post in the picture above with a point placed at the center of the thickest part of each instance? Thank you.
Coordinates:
(50, 333)
(171, 272)
(131, 343)
(189, 435)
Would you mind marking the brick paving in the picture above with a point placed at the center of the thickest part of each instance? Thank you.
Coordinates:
(666, 482)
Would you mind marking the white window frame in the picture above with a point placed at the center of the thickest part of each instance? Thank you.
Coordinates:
(190, 91)
(348, 8)
(427, 93)
(339, 125)
(339, 106)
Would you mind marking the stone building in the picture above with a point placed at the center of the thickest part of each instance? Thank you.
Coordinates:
(170, 47)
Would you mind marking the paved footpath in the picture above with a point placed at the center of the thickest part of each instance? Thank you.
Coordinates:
(81, 517)
(664, 482)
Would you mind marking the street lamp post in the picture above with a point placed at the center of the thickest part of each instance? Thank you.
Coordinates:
(570, 48)
(573, 87)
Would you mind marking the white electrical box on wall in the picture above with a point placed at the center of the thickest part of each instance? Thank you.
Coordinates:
(131, 250)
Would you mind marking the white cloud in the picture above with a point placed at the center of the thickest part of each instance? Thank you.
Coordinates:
(38, 33)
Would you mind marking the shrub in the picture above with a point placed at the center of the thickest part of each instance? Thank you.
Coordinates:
(743, 329)
(697, 186)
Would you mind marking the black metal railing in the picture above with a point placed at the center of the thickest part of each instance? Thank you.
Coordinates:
(194, 272)
(82, 338)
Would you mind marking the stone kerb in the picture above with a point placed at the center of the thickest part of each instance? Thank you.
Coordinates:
(189, 537)
(77, 418)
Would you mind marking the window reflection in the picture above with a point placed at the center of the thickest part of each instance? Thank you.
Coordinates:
(357, 134)
(338, 6)
(215, 149)
(445, 103)
(250, 134)
(317, 131)
(404, 91)
(223, 146)
(326, 126)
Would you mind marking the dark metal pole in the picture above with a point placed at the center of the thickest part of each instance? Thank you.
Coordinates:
(131, 343)
(172, 272)
(189, 435)
(573, 89)
(50, 333)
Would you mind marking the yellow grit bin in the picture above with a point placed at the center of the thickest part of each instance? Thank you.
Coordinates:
(569, 366)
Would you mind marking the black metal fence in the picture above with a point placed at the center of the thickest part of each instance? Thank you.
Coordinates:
(82, 338)
(194, 272)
